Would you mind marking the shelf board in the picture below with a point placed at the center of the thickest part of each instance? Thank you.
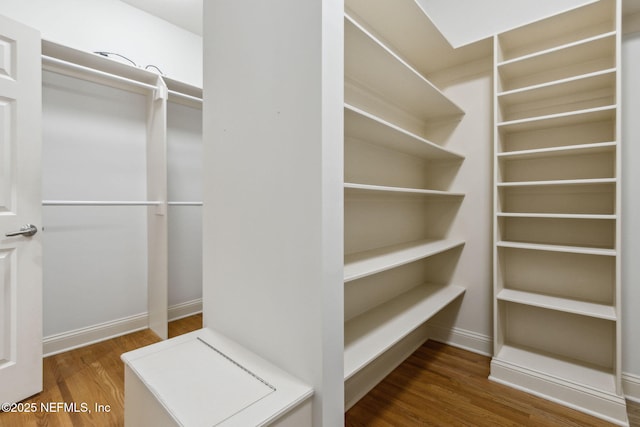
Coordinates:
(573, 371)
(372, 333)
(555, 215)
(366, 263)
(184, 93)
(372, 65)
(602, 79)
(557, 248)
(182, 87)
(558, 182)
(557, 120)
(407, 27)
(92, 61)
(578, 52)
(567, 150)
(351, 188)
(575, 24)
(566, 305)
(361, 125)
(97, 62)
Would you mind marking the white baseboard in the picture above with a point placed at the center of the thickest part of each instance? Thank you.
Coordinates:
(596, 402)
(483, 344)
(185, 309)
(631, 386)
(462, 338)
(77, 338)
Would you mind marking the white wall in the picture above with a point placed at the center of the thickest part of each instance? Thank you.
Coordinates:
(94, 149)
(273, 278)
(184, 159)
(468, 321)
(631, 207)
(94, 258)
(114, 26)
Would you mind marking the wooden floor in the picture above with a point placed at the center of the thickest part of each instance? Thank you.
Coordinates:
(93, 375)
(437, 386)
(440, 385)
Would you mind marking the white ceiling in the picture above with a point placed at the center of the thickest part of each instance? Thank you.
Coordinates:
(483, 19)
(186, 14)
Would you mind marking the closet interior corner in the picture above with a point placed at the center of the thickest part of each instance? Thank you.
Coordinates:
(122, 153)
(401, 198)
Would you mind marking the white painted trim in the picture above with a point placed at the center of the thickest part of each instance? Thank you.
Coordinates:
(483, 344)
(462, 338)
(631, 386)
(598, 403)
(77, 338)
(82, 337)
(185, 309)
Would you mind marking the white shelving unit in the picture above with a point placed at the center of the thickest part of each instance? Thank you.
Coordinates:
(364, 188)
(399, 204)
(374, 63)
(557, 209)
(370, 334)
(366, 263)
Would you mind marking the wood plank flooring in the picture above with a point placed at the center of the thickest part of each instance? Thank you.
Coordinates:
(93, 375)
(437, 386)
(633, 410)
(440, 385)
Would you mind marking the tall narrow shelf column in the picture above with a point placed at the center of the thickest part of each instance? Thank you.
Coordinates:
(157, 224)
(557, 209)
(399, 205)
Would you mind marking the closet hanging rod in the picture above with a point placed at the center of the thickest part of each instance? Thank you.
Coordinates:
(185, 96)
(99, 203)
(60, 66)
(184, 203)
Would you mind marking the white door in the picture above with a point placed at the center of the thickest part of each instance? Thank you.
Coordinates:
(20, 206)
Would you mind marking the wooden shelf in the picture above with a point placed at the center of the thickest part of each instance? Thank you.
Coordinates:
(558, 200)
(571, 26)
(413, 35)
(557, 248)
(184, 93)
(587, 55)
(379, 70)
(554, 215)
(596, 81)
(351, 188)
(566, 305)
(556, 205)
(362, 264)
(561, 368)
(567, 150)
(595, 181)
(361, 125)
(97, 68)
(557, 120)
(372, 333)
